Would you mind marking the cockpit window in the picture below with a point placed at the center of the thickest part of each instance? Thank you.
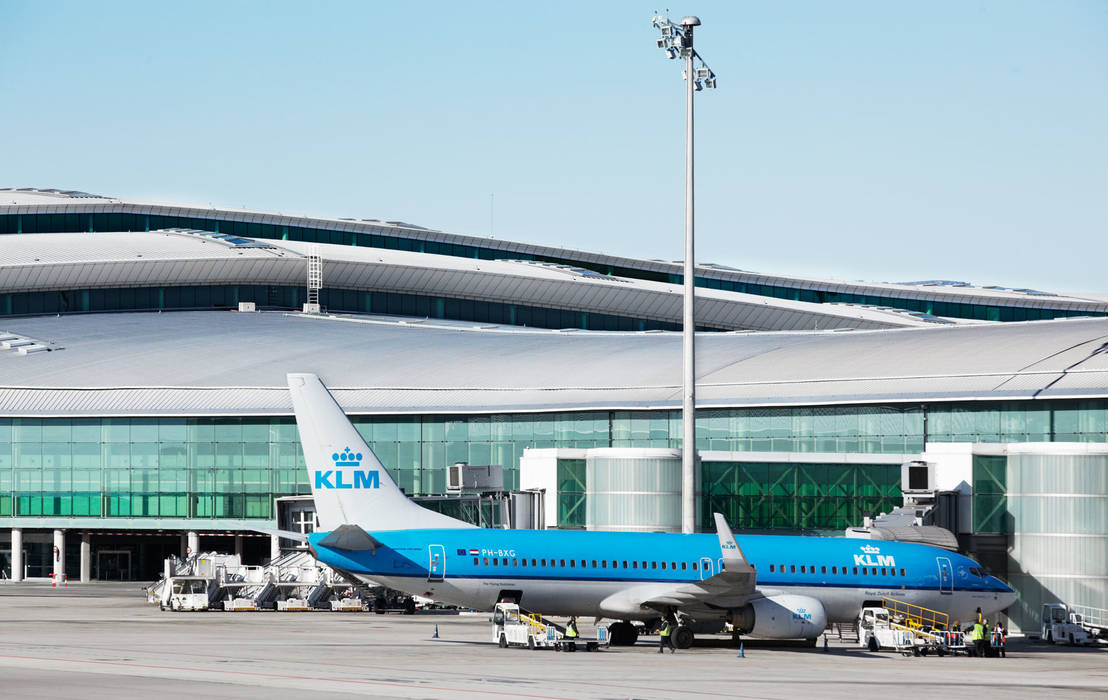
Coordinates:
(977, 571)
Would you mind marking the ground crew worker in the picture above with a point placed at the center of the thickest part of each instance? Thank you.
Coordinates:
(980, 637)
(664, 637)
(571, 629)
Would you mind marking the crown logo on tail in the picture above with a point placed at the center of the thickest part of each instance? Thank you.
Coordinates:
(347, 458)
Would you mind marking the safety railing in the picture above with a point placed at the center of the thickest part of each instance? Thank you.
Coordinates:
(915, 616)
(1091, 617)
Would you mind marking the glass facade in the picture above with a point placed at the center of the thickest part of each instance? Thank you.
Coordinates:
(338, 300)
(756, 495)
(125, 221)
(234, 467)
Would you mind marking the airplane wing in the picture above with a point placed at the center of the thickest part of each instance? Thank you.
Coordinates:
(730, 588)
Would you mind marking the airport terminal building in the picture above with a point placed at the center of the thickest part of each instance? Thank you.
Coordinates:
(141, 413)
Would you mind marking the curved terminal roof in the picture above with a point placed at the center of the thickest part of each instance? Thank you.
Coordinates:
(63, 261)
(229, 363)
(37, 201)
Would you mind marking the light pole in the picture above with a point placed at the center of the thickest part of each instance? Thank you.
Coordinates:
(677, 40)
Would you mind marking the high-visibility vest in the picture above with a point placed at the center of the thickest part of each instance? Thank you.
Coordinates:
(571, 630)
(665, 629)
(978, 631)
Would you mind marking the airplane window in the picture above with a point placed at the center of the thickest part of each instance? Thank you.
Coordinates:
(673, 565)
(572, 563)
(694, 566)
(644, 565)
(563, 563)
(684, 566)
(594, 563)
(475, 561)
(883, 571)
(625, 565)
(834, 569)
(856, 571)
(771, 568)
(792, 568)
(583, 562)
(615, 564)
(892, 572)
(802, 569)
(653, 565)
(505, 561)
(515, 563)
(495, 561)
(823, 569)
(544, 562)
(634, 565)
(663, 565)
(902, 572)
(486, 561)
(534, 564)
(864, 572)
(603, 563)
(523, 561)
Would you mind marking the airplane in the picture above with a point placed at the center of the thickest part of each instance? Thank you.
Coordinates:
(767, 586)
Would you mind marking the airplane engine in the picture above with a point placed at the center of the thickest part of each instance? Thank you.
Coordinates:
(782, 617)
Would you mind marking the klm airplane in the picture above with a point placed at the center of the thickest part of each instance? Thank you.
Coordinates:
(766, 586)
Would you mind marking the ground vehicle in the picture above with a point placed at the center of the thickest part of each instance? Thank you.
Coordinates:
(185, 593)
(512, 626)
(1060, 624)
(907, 628)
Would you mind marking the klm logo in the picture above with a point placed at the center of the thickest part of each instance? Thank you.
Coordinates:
(873, 557)
(336, 479)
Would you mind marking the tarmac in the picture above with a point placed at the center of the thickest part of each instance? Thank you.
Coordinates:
(104, 641)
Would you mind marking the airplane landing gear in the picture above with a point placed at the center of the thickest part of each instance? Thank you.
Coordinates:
(622, 634)
(683, 637)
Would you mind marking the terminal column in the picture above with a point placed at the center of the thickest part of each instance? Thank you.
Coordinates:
(238, 546)
(86, 557)
(194, 543)
(274, 548)
(59, 553)
(17, 554)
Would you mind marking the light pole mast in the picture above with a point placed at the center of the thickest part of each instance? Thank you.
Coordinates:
(677, 40)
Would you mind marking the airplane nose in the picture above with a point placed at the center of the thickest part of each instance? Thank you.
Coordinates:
(1007, 597)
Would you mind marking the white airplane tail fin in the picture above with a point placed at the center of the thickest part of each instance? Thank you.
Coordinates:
(349, 484)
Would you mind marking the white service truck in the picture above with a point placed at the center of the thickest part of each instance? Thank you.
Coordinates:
(185, 593)
(512, 626)
(1060, 624)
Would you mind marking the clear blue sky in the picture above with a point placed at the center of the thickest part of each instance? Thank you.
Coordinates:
(856, 140)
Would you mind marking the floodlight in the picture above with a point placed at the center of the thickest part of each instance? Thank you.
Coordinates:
(703, 73)
(698, 86)
(661, 43)
(710, 82)
(671, 52)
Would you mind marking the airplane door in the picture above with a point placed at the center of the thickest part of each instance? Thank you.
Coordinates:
(946, 576)
(705, 568)
(436, 569)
